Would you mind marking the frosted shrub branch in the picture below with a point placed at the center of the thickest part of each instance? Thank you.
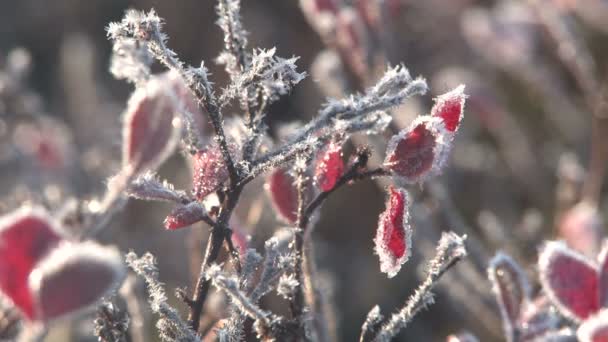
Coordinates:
(170, 325)
(450, 250)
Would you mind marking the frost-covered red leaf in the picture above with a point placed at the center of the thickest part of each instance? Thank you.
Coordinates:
(149, 130)
(450, 108)
(511, 289)
(330, 166)
(26, 236)
(184, 216)
(418, 151)
(209, 171)
(393, 241)
(594, 329)
(283, 194)
(73, 277)
(570, 281)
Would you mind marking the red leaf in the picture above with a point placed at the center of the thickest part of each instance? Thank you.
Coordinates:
(209, 171)
(184, 216)
(594, 329)
(450, 108)
(417, 151)
(330, 166)
(26, 236)
(149, 132)
(570, 281)
(393, 239)
(74, 277)
(283, 194)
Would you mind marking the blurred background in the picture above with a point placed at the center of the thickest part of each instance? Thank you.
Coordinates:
(532, 145)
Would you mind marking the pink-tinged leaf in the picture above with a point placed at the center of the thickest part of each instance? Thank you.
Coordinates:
(73, 277)
(462, 337)
(149, 130)
(188, 103)
(370, 11)
(330, 166)
(581, 228)
(239, 238)
(418, 151)
(595, 328)
(209, 171)
(450, 108)
(321, 15)
(326, 5)
(184, 216)
(26, 236)
(569, 280)
(511, 289)
(603, 276)
(283, 195)
(393, 241)
(352, 40)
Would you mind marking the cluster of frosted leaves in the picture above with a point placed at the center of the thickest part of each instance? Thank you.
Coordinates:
(45, 275)
(420, 150)
(393, 241)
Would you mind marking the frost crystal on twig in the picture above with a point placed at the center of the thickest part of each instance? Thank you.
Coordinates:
(450, 250)
(372, 320)
(149, 187)
(235, 36)
(170, 325)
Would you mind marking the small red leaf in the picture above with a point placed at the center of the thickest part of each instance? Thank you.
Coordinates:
(417, 151)
(393, 239)
(283, 194)
(149, 133)
(209, 171)
(595, 328)
(184, 216)
(570, 281)
(26, 236)
(450, 108)
(73, 277)
(511, 288)
(330, 166)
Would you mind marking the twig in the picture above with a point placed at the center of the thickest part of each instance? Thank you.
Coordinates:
(449, 252)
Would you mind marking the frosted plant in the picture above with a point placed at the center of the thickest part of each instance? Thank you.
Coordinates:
(180, 107)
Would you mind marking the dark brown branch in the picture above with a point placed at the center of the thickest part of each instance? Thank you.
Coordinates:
(356, 172)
